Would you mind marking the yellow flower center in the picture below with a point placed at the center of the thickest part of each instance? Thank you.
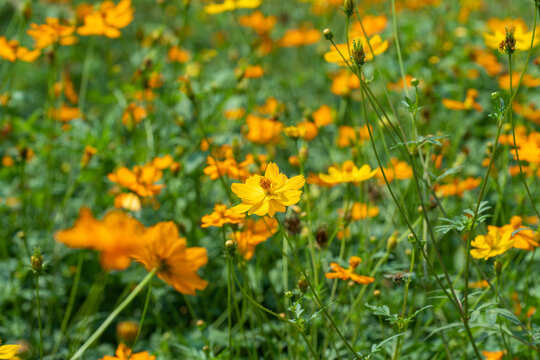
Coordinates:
(265, 183)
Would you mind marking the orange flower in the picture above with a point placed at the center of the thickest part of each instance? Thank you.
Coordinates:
(262, 130)
(299, 37)
(11, 51)
(163, 163)
(336, 55)
(493, 355)
(128, 201)
(177, 54)
(231, 5)
(344, 82)
(528, 81)
(52, 32)
(123, 352)
(268, 194)
(479, 284)
(66, 113)
(468, 104)
(141, 180)
(348, 172)
(256, 21)
(221, 216)
(9, 351)
(372, 25)
(457, 187)
(529, 112)
(253, 72)
(398, 85)
(488, 61)
(347, 135)
(229, 167)
(116, 237)
(108, 19)
(396, 170)
(88, 154)
(234, 114)
(176, 264)
(346, 274)
(361, 211)
(254, 233)
(323, 116)
(271, 107)
(523, 239)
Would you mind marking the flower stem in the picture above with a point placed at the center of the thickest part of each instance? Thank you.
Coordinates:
(113, 315)
(145, 309)
(39, 318)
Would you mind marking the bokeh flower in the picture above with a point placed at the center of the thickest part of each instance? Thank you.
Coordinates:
(221, 216)
(348, 172)
(108, 19)
(254, 233)
(345, 274)
(123, 352)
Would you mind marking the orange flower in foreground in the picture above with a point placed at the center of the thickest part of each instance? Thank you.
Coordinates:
(468, 104)
(497, 33)
(116, 237)
(221, 216)
(346, 274)
(268, 194)
(51, 32)
(299, 37)
(492, 244)
(108, 19)
(176, 264)
(123, 352)
(254, 233)
(140, 180)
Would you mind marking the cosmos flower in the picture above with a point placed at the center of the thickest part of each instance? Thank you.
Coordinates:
(123, 352)
(8, 352)
(345, 274)
(221, 216)
(348, 173)
(230, 5)
(492, 244)
(268, 194)
(469, 103)
(51, 32)
(497, 33)
(108, 19)
(140, 180)
(176, 264)
(254, 233)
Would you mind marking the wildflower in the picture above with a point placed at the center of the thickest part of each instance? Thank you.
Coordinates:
(361, 211)
(396, 170)
(163, 162)
(398, 85)
(323, 116)
(221, 216)
(262, 130)
(493, 355)
(140, 180)
(346, 274)
(348, 173)
(479, 284)
(468, 104)
(234, 114)
(343, 82)
(176, 264)
(116, 236)
(11, 51)
(528, 81)
(108, 19)
(457, 187)
(230, 5)
(515, 37)
(295, 132)
(52, 32)
(123, 352)
(529, 112)
(491, 244)
(128, 201)
(372, 25)
(89, 152)
(254, 233)
(256, 21)
(66, 113)
(253, 72)
(268, 194)
(8, 351)
(488, 61)
(126, 331)
(229, 167)
(360, 50)
(271, 107)
(299, 37)
(523, 239)
(179, 55)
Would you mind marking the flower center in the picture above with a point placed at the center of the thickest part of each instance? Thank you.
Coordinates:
(265, 183)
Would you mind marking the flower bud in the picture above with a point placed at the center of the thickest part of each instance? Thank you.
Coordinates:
(321, 236)
(328, 34)
(230, 245)
(201, 324)
(377, 293)
(288, 294)
(348, 7)
(497, 266)
(302, 284)
(126, 331)
(391, 243)
(415, 82)
(37, 260)
(508, 45)
(357, 52)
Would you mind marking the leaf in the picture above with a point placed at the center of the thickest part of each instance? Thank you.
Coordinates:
(507, 314)
(445, 327)
(379, 310)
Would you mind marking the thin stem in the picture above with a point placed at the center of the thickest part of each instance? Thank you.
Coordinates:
(113, 315)
(398, 48)
(145, 309)
(39, 319)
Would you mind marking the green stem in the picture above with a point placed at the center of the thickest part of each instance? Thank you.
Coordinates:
(143, 316)
(113, 315)
(396, 38)
(39, 319)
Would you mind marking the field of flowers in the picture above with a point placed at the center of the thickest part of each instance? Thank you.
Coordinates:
(249, 179)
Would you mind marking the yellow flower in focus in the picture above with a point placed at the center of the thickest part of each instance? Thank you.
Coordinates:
(230, 5)
(345, 274)
(8, 352)
(108, 19)
(268, 194)
(497, 33)
(379, 46)
(492, 244)
(348, 173)
(176, 264)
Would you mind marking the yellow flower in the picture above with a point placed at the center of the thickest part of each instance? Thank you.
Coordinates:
(230, 5)
(348, 173)
(497, 33)
(492, 244)
(8, 351)
(379, 46)
(346, 274)
(221, 216)
(268, 194)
